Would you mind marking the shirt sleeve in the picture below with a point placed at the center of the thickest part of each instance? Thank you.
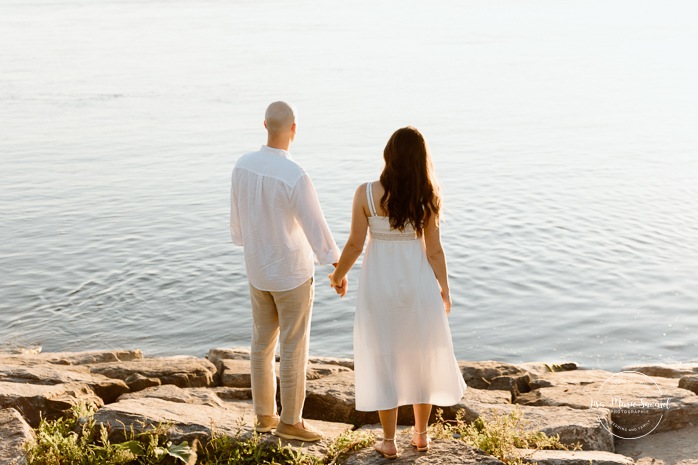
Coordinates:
(235, 229)
(306, 208)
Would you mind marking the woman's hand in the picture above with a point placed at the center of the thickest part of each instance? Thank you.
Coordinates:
(446, 297)
(339, 286)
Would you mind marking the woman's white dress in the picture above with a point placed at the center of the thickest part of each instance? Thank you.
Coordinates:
(403, 352)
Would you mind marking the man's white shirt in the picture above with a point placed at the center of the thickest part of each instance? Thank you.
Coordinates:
(276, 216)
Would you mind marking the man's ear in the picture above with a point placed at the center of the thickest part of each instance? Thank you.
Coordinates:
(265, 124)
(293, 128)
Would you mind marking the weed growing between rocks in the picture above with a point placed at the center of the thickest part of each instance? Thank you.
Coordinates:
(501, 436)
(79, 440)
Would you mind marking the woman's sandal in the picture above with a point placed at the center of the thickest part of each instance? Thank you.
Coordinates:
(384, 454)
(421, 448)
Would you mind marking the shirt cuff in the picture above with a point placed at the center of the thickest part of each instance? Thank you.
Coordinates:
(332, 256)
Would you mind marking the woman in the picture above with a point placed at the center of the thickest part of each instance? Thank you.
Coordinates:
(403, 353)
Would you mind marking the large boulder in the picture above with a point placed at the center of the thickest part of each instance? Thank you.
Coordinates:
(638, 403)
(495, 375)
(180, 371)
(15, 433)
(690, 383)
(189, 421)
(441, 452)
(670, 447)
(35, 401)
(665, 370)
(575, 457)
(590, 428)
(332, 398)
(48, 374)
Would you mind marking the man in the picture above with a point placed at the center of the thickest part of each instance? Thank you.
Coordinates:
(276, 216)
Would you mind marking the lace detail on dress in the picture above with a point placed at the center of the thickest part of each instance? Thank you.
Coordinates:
(394, 236)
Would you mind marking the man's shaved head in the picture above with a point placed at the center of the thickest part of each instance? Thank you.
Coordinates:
(279, 118)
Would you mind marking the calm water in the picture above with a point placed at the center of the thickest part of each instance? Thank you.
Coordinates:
(564, 133)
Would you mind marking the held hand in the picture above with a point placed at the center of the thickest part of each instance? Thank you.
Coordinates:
(341, 287)
(446, 297)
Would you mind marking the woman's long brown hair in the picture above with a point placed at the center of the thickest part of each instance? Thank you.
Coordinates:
(411, 192)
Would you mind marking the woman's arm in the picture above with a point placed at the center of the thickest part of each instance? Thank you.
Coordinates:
(437, 258)
(355, 243)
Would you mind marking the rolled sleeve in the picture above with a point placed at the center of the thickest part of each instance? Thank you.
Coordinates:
(235, 229)
(306, 207)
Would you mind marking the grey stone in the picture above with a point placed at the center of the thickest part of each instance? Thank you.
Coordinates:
(332, 399)
(343, 362)
(690, 383)
(480, 375)
(34, 401)
(441, 452)
(15, 433)
(579, 377)
(138, 382)
(539, 368)
(48, 374)
(665, 370)
(590, 428)
(172, 393)
(197, 421)
(228, 393)
(658, 402)
(180, 371)
(320, 370)
(667, 448)
(75, 358)
(577, 457)
(235, 373)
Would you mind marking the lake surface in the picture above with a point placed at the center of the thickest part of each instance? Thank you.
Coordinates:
(564, 134)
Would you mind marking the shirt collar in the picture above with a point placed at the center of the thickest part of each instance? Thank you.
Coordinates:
(280, 152)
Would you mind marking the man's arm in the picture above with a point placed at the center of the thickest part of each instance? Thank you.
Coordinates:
(235, 230)
(307, 210)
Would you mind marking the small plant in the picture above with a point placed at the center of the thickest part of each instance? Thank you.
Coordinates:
(78, 440)
(500, 436)
(345, 444)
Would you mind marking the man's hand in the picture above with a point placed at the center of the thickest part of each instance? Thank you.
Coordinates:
(341, 287)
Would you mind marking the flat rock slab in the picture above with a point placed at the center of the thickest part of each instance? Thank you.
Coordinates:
(539, 368)
(34, 401)
(172, 393)
(180, 371)
(319, 449)
(189, 421)
(441, 452)
(236, 373)
(107, 389)
(644, 404)
(668, 448)
(14, 434)
(578, 377)
(77, 358)
(666, 370)
(590, 428)
(577, 457)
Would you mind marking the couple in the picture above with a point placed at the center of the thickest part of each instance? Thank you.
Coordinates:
(403, 353)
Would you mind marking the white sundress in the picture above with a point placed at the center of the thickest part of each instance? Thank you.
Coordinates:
(403, 352)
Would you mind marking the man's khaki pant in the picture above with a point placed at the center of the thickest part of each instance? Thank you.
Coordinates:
(286, 314)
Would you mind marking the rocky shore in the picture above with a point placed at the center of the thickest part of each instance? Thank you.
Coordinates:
(196, 395)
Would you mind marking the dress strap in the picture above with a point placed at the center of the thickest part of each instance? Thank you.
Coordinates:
(369, 196)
